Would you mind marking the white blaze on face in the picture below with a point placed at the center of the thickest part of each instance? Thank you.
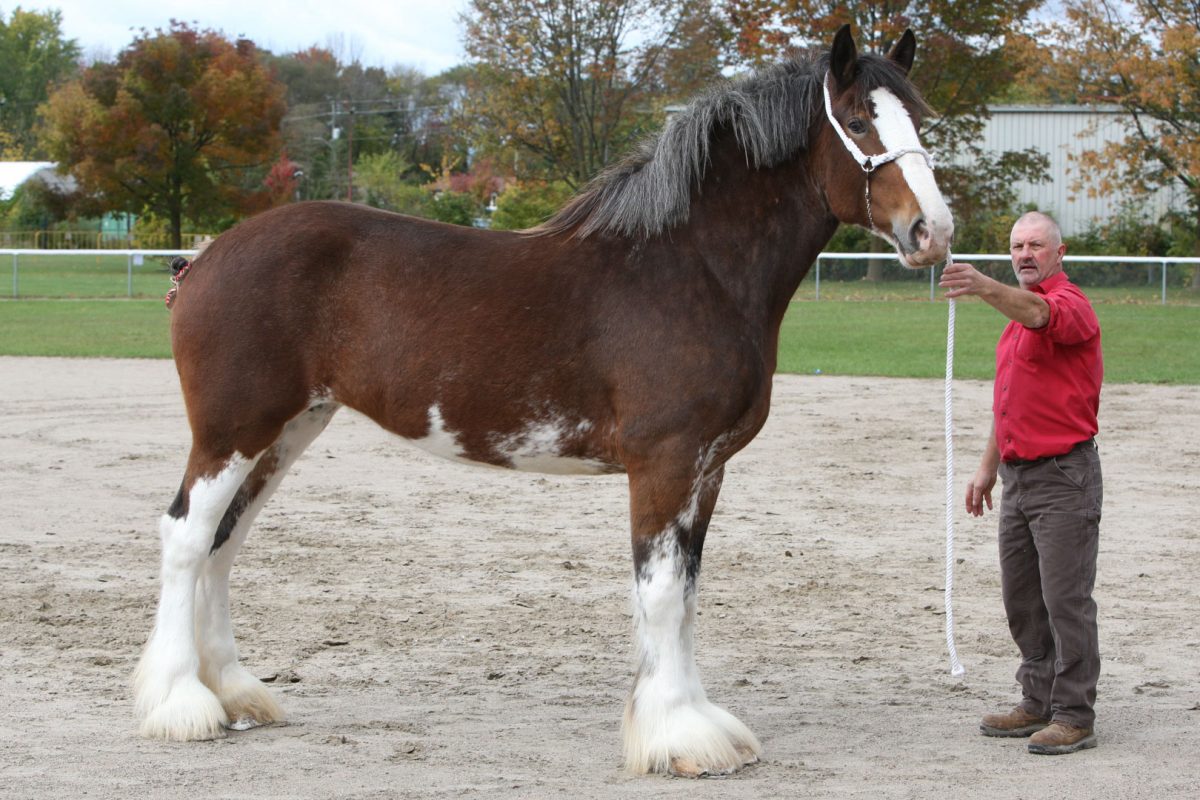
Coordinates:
(896, 131)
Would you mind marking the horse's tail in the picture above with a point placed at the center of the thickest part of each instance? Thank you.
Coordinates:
(179, 270)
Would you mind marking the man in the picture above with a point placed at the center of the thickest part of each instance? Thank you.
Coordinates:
(1045, 399)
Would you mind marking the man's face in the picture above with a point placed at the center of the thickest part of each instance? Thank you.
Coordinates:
(1036, 252)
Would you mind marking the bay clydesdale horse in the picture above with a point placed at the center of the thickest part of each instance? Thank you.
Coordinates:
(636, 331)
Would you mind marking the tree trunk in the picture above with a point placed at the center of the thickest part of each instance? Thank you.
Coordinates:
(875, 270)
(1196, 269)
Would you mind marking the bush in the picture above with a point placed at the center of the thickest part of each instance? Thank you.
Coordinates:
(1132, 233)
(457, 208)
(525, 205)
(408, 198)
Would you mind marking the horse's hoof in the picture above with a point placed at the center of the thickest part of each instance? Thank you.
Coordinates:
(688, 741)
(246, 700)
(190, 713)
(690, 768)
(244, 724)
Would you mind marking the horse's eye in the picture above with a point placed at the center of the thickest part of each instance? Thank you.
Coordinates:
(857, 126)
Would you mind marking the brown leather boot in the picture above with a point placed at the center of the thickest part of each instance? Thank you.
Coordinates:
(1061, 738)
(1015, 723)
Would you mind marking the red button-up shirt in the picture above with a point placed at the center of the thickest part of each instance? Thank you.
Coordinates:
(1048, 379)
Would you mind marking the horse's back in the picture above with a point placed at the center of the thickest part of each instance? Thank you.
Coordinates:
(388, 314)
(420, 325)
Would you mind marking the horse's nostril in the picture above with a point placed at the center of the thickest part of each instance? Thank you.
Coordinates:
(918, 232)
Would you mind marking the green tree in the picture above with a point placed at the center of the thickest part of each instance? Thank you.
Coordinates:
(457, 208)
(566, 84)
(1144, 56)
(183, 125)
(970, 53)
(335, 108)
(34, 58)
(313, 90)
(525, 205)
(381, 177)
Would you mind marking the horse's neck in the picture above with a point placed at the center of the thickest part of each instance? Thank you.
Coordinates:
(759, 231)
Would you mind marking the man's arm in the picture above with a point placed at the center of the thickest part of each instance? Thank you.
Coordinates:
(980, 487)
(1020, 305)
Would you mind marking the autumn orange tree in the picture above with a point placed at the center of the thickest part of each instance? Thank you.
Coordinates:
(561, 87)
(183, 125)
(1144, 56)
(969, 53)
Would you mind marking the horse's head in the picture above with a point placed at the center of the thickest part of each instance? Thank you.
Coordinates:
(877, 174)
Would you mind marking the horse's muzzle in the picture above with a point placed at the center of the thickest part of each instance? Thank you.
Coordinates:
(920, 243)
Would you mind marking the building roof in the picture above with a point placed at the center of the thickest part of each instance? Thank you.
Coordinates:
(15, 173)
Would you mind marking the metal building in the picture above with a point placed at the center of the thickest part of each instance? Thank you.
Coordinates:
(1061, 132)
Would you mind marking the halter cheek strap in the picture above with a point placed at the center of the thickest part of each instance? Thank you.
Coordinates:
(868, 163)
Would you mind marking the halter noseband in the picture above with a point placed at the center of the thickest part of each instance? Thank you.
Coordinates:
(868, 163)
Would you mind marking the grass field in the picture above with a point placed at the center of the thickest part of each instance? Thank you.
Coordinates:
(92, 276)
(1143, 342)
(101, 276)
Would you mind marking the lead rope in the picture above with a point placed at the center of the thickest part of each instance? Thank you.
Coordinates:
(956, 667)
(868, 165)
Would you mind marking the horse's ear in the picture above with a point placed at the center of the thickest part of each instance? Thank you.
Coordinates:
(843, 58)
(902, 52)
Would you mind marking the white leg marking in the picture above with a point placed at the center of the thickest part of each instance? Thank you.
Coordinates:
(896, 130)
(670, 726)
(246, 701)
(170, 698)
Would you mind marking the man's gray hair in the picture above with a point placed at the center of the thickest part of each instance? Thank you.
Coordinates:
(1045, 219)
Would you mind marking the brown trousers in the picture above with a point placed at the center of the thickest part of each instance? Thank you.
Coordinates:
(1049, 538)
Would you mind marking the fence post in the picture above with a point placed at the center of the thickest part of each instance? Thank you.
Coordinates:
(931, 289)
(1164, 282)
(15, 292)
(818, 276)
(129, 275)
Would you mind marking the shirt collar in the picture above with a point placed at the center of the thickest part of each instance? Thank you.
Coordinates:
(1052, 282)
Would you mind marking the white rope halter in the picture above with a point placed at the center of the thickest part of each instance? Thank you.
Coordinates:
(869, 163)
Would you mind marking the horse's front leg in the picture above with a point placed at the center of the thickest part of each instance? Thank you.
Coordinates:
(670, 726)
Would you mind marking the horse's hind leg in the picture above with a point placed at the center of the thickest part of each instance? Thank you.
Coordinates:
(170, 698)
(246, 701)
(670, 726)
(188, 680)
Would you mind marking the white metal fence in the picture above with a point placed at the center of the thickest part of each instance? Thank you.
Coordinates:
(1163, 262)
(135, 260)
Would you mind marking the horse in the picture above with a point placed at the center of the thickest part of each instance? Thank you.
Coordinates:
(635, 331)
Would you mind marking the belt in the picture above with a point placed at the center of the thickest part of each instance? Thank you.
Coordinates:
(1029, 462)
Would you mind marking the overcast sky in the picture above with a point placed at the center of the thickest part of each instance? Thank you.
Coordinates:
(415, 33)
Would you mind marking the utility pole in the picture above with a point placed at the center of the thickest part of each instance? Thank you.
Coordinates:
(333, 131)
(350, 156)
